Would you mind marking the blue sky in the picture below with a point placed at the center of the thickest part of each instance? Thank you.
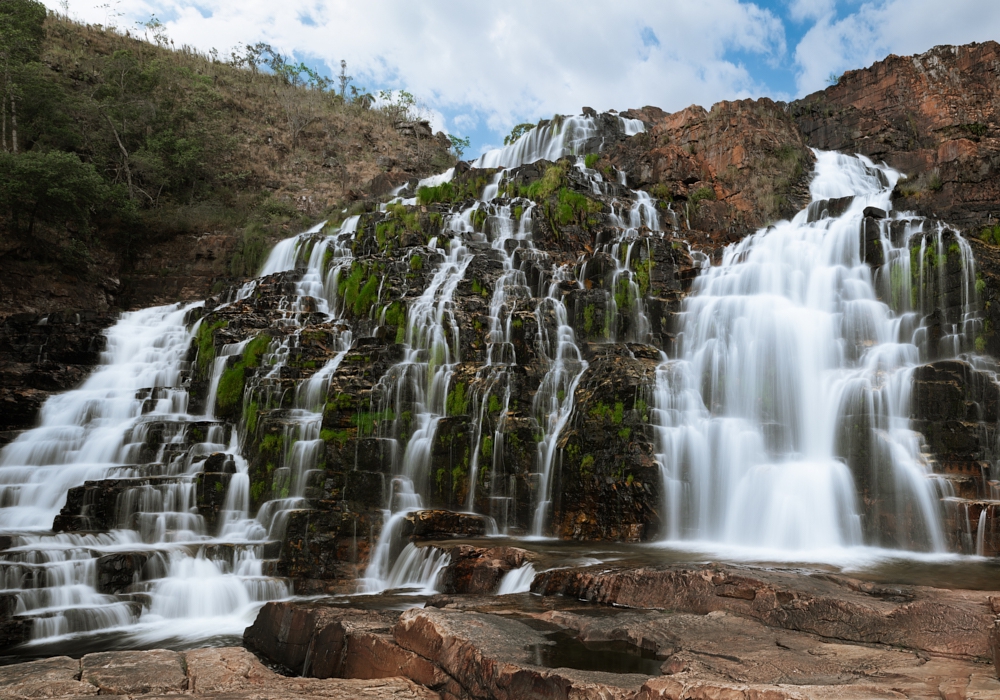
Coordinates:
(479, 68)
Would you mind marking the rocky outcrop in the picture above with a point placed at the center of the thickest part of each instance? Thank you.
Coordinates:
(43, 354)
(225, 672)
(554, 646)
(952, 623)
(931, 116)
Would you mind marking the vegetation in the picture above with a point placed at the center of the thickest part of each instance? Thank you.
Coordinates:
(111, 141)
(991, 234)
(517, 132)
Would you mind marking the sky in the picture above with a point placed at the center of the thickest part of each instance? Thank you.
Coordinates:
(479, 68)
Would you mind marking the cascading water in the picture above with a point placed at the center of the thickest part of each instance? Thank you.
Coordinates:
(127, 422)
(784, 422)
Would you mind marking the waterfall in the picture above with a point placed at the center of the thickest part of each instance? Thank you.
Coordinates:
(127, 422)
(784, 421)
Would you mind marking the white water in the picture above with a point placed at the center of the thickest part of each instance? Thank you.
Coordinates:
(788, 363)
(100, 431)
(517, 580)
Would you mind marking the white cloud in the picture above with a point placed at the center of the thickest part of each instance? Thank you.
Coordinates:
(801, 10)
(878, 29)
(498, 62)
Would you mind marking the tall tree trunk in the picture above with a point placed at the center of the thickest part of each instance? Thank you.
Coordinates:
(121, 146)
(3, 123)
(13, 123)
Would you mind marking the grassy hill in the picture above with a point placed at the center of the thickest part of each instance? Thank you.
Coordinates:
(137, 162)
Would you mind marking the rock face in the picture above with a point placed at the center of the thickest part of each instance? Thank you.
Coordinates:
(678, 634)
(228, 672)
(41, 355)
(931, 116)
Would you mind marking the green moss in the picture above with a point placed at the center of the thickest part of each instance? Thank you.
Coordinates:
(991, 234)
(479, 219)
(600, 411)
(641, 407)
(255, 349)
(546, 186)
(340, 402)
(588, 318)
(206, 345)
(980, 284)
(218, 487)
(702, 194)
(590, 160)
(587, 465)
(487, 448)
(339, 437)
(625, 433)
(618, 413)
(643, 272)
(458, 403)
(416, 262)
(444, 192)
(251, 415)
(257, 491)
(367, 422)
(230, 392)
(494, 404)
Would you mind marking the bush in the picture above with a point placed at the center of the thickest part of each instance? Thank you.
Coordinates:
(51, 187)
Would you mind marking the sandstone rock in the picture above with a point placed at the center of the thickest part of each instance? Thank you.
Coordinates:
(479, 570)
(438, 524)
(135, 672)
(486, 655)
(952, 623)
(55, 677)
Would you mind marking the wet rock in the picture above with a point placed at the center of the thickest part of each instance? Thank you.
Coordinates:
(135, 672)
(116, 572)
(438, 524)
(944, 622)
(486, 655)
(479, 570)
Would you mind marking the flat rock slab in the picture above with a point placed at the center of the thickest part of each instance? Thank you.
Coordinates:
(228, 673)
(45, 678)
(487, 655)
(135, 672)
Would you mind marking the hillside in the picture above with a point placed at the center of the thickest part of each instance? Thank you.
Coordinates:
(202, 164)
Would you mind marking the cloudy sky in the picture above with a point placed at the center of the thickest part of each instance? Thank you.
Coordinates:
(478, 68)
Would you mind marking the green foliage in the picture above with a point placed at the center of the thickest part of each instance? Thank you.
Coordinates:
(702, 193)
(367, 422)
(230, 392)
(643, 271)
(618, 414)
(991, 234)
(254, 349)
(458, 402)
(487, 447)
(517, 132)
(359, 293)
(980, 284)
(339, 437)
(587, 465)
(494, 405)
(444, 192)
(547, 185)
(459, 144)
(206, 344)
(590, 160)
(588, 318)
(416, 262)
(625, 433)
(48, 186)
(570, 205)
(251, 415)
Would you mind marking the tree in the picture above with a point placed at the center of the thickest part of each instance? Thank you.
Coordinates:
(517, 132)
(459, 144)
(52, 187)
(21, 35)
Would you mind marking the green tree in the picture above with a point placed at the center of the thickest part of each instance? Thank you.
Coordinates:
(21, 35)
(517, 132)
(47, 186)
